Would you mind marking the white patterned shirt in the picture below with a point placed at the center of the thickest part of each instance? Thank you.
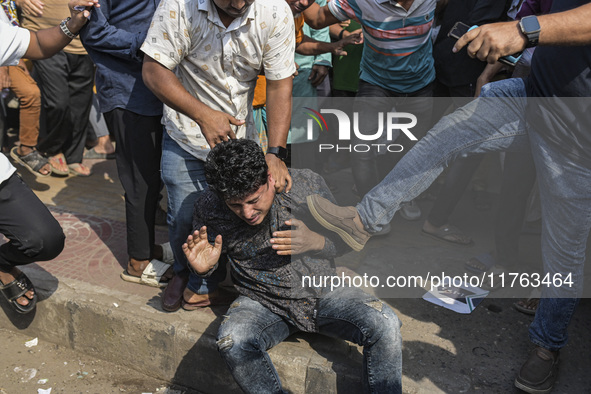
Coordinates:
(219, 65)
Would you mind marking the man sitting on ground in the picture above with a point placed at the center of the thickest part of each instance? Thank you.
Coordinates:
(243, 217)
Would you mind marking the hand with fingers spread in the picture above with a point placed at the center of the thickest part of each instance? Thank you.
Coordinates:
(201, 255)
(355, 38)
(300, 239)
(216, 126)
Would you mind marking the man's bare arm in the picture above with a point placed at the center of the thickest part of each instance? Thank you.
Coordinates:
(215, 125)
(47, 42)
(318, 17)
(278, 121)
(492, 41)
(311, 47)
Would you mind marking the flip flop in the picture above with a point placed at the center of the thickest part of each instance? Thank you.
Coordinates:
(74, 169)
(18, 288)
(53, 160)
(529, 305)
(92, 154)
(151, 276)
(448, 234)
(32, 161)
(485, 259)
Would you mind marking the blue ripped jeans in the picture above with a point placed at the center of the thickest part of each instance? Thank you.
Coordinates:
(250, 329)
(494, 123)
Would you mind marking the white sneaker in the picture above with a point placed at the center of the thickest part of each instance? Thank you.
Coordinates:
(410, 210)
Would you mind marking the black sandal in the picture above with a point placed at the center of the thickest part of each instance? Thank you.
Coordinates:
(33, 161)
(18, 288)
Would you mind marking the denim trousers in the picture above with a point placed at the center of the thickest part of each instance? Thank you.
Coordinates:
(184, 177)
(250, 329)
(493, 124)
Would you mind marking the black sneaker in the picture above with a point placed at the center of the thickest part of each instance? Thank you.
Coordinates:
(539, 372)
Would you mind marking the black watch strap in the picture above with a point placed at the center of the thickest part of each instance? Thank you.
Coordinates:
(278, 151)
(530, 27)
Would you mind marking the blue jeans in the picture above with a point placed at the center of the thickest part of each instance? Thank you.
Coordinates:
(490, 125)
(184, 177)
(250, 329)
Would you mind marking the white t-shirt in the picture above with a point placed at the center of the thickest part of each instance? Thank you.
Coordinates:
(219, 65)
(13, 45)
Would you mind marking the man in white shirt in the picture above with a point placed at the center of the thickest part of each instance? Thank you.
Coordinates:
(202, 60)
(33, 233)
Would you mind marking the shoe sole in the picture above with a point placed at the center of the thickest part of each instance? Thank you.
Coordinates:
(530, 390)
(349, 240)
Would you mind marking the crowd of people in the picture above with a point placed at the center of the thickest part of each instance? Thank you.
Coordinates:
(197, 96)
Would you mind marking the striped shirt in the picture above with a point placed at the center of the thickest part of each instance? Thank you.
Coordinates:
(397, 52)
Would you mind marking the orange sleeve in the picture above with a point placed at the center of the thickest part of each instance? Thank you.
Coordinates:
(299, 28)
(260, 92)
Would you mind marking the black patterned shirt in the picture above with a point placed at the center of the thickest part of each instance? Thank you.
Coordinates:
(258, 272)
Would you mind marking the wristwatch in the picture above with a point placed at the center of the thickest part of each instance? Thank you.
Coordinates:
(278, 151)
(530, 27)
(64, 27)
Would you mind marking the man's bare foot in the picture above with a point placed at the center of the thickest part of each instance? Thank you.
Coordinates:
(24, 150)
(7, 277)
(59, 165)
(104, 145)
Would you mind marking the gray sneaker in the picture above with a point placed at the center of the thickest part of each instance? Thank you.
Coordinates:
(410, 210)
(338, 219)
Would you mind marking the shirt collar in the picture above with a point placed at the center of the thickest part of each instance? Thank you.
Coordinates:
(212, 14)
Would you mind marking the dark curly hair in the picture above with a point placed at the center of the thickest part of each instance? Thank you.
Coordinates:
(236, 168)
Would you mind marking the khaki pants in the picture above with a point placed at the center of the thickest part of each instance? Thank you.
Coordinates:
(29, 96)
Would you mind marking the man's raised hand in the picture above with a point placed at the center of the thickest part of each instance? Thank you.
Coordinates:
(201, 255)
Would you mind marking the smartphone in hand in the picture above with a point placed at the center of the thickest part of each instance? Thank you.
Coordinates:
(460, 28)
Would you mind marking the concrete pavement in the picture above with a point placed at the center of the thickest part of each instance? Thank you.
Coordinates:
(86, 306)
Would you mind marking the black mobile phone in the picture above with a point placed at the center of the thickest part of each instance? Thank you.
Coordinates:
(458, 30)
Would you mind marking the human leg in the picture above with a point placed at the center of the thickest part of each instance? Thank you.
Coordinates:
(364, 165)
(353, 315)
(33, 233)
(184, 178)
(139, 139)
(80, 82)
(490, 123)
(246, 333)
(485, 124)
(566, 220)
(52, 77)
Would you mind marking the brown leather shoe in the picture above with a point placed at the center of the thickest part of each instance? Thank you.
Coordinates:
(539, 372)
(173, 293)
(340, 220)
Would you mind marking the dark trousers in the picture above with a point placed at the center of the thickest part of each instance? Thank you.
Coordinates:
(66, 83)
(32, 231)
(369, 168)
(139, 149)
